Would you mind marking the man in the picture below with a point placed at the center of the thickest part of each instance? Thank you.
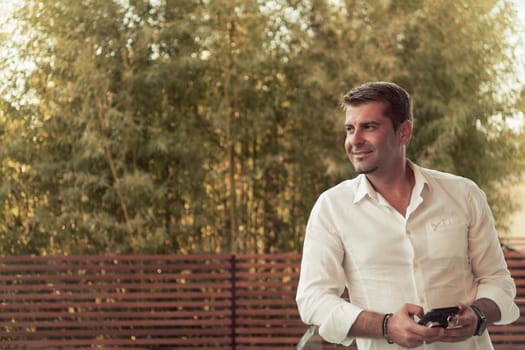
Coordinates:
(403, 240)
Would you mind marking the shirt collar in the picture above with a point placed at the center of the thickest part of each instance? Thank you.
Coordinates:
(419, 177)
(364, 187)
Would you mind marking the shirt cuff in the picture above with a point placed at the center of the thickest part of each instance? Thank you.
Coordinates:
(336, 326)
(507, 307)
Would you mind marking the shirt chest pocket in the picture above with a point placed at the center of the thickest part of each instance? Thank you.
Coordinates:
(447, 240)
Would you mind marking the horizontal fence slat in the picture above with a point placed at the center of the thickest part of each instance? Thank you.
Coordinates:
(127, 286)
(106, 297)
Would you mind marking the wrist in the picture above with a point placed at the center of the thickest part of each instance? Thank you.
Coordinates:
(385, 329)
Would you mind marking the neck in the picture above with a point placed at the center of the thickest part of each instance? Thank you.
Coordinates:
(396, 179)
(397, 188)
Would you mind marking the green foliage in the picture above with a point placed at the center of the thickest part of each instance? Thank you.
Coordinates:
(206, 126)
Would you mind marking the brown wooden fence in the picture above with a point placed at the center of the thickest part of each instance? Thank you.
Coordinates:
(177, 302)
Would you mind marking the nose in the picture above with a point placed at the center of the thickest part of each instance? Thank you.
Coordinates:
(354, 138)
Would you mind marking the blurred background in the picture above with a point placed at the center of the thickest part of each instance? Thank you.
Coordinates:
(212, 126)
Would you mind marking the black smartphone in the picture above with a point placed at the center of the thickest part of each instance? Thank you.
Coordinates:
(440, 317)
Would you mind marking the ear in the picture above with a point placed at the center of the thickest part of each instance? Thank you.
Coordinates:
(405, 131)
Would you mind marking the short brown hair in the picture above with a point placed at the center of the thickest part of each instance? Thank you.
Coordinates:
(398, 104)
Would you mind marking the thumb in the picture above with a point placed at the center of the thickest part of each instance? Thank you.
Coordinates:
(414, 310)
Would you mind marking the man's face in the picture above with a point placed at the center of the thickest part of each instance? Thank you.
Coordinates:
(371, 143)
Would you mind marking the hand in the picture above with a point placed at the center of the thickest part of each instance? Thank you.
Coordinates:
(467, 321)
(404, 330)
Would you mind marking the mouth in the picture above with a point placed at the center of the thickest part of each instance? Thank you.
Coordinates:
(357, 153)
(360, 153)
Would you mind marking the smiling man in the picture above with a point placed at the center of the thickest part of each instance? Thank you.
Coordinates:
(403, 240)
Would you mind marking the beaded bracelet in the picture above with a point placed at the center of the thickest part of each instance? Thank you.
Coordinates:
(385, 329)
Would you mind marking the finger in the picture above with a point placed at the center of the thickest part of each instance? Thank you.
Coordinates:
(456, 334)
(428, 333)
(435, 336)
(462, 306)
(413, 339)
(466, 318)
(414, 310)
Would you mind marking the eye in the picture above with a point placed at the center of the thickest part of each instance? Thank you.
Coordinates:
(349, 128)
(370, 126)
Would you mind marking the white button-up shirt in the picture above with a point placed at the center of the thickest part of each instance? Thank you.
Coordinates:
(444, 251)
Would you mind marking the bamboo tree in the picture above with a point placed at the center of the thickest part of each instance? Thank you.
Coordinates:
(211, 126)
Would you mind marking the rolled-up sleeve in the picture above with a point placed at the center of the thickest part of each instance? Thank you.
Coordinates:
(488, 262)
(322, 280)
